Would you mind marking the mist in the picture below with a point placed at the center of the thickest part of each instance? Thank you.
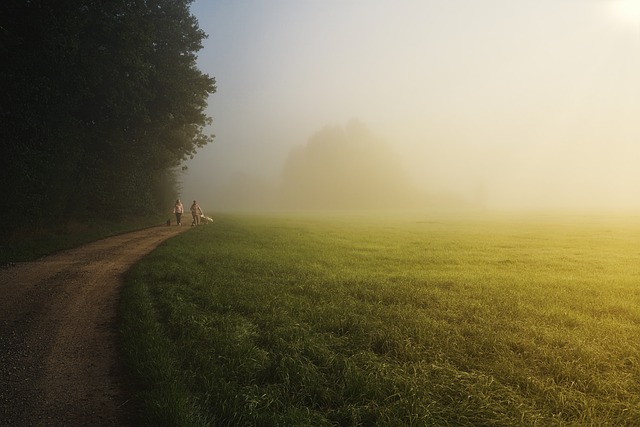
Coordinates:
(459, 105)
(349, 167)
(340, 167)
(346, 168)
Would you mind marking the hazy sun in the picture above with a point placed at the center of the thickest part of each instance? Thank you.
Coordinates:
(626, 11)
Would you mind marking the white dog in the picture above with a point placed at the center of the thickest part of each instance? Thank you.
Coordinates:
(205, 219)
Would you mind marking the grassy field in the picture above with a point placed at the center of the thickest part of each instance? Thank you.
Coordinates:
(372, 320)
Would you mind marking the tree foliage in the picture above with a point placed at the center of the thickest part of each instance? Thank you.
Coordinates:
(346, 168)
(100, 102)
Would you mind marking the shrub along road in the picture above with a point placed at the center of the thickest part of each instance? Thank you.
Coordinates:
(59, 359)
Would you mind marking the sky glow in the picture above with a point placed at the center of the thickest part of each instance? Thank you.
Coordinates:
(626, 11)
(515, 104)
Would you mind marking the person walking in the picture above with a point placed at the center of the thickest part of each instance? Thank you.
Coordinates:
(195, 213)
(178, 209)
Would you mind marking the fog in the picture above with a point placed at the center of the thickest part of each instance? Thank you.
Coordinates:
(387, 104)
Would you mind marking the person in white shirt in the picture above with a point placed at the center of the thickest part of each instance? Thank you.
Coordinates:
(178, 209)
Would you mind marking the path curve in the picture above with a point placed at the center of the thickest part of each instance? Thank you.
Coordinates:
(59, 360)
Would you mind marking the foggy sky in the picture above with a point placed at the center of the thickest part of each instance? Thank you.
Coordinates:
(523, 105)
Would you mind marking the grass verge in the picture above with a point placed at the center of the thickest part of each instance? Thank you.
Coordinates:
(274, 320)
(29, 243)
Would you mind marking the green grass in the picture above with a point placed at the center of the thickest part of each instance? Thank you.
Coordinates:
(365, 320)
(29, 242)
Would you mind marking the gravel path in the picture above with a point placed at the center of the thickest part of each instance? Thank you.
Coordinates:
(59, 360)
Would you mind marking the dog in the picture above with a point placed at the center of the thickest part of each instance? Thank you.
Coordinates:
(205, 219)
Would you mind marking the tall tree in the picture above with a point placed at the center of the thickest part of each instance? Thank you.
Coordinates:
(100, 102)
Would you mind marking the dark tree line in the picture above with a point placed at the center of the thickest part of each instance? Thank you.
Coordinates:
(100, 103)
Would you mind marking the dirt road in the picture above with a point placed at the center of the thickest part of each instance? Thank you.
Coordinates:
(59, 361)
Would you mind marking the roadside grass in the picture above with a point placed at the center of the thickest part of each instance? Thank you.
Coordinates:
(28, 243)
(363, 320)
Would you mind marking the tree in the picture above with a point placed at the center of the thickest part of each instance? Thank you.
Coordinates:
(101, 101)
(346, 168)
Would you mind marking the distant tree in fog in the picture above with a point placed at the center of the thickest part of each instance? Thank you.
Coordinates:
(345, 168)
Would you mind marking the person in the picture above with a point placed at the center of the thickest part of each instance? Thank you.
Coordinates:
(195, 213)
(178, 209)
